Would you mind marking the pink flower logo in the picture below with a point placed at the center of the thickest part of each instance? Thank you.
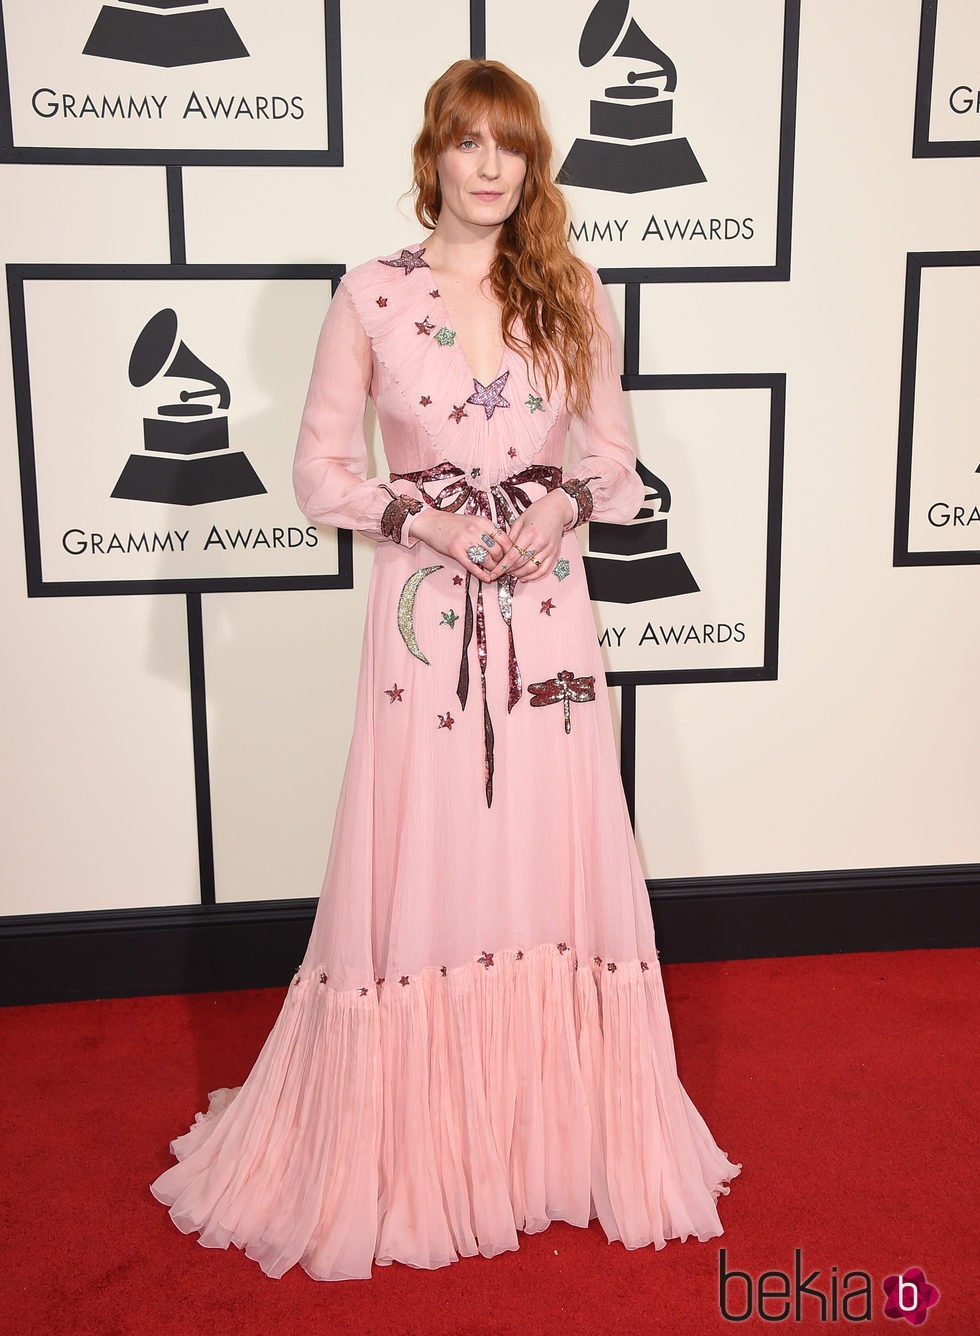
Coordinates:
(910, 1296)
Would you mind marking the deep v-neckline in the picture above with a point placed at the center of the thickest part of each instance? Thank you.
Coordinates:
(458, 347)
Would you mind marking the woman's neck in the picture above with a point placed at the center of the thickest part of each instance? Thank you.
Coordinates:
(461, 254)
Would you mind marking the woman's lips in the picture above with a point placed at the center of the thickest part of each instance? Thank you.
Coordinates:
(488, 194)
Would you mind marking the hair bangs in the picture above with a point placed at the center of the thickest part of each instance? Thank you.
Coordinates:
(490, 98)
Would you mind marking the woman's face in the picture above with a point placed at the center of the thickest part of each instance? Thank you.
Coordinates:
(480, 180)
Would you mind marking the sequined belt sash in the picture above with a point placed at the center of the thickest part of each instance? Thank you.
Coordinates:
(510, 499)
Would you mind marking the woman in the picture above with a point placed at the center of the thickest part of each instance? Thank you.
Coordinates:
(476, 1041)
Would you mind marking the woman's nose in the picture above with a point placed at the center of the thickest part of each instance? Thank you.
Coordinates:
(490, 163)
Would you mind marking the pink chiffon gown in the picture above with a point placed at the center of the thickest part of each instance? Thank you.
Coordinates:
(477, 1041)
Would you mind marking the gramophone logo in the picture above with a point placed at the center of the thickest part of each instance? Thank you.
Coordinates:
(152, 32)
(635, 565)
(632, 147)
(187, 460)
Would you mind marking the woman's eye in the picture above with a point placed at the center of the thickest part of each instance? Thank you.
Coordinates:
(467, 143)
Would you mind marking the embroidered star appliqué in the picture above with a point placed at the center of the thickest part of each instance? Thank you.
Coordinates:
(408, 260)
(457, 579)
(547, 606)
(394, 693)
(489, 397)
(449, 618)
(534, 403)
(446, 721)
(425, 401)
(424, 326)
(459, 412)
(382, 301)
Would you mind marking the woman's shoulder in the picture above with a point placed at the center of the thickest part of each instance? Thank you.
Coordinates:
(386, 269)
(386, 290)
(594, 277)
(594, 289)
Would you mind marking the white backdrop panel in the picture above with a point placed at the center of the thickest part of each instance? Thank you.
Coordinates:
(862, 753)
(281, 673)
(99, 800)
(89, 423)
(705, 573)
(92, 214)
(265, 89)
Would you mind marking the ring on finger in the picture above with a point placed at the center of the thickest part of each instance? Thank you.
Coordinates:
(488, 540)
(477, 555)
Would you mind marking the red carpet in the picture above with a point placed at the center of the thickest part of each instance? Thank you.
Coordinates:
(846, 1086)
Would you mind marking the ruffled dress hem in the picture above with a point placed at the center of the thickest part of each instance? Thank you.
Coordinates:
(430, 1117)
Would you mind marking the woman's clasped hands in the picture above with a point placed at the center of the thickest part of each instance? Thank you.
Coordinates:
(528, 552)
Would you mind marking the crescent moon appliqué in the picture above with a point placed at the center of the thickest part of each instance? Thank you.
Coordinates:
(406, 609)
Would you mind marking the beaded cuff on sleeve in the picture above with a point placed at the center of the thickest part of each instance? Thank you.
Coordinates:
(578, 490)
(395, 511)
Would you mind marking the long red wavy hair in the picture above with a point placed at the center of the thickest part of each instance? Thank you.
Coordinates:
(534, 274)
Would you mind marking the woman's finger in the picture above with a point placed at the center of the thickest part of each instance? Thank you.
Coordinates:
(536, 572)
(503, 544)
(510, 564)
(500, 539)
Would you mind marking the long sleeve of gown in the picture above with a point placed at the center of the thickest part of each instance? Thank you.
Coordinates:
(330, 466)
(601, 439)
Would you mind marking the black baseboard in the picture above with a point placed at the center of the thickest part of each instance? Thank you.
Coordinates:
(818, 913)
(204, 948)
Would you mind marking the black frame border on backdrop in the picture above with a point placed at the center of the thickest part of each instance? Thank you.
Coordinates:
(775, 383)
(37, 586)
(779, 270)
(331, 156)
(922, 145)
(916, 262)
